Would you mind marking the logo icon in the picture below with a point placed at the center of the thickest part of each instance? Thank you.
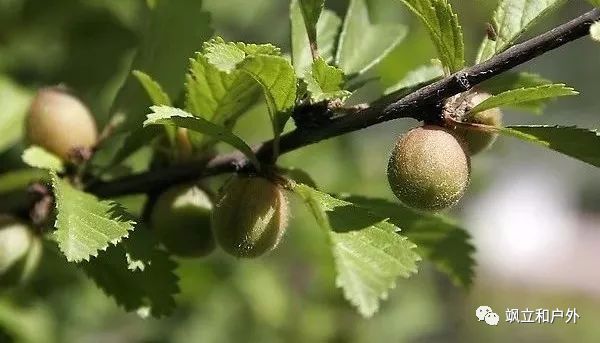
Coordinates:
(485, 313)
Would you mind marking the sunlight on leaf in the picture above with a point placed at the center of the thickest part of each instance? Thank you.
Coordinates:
(511, 19)
(369, 253)
(38, 157)
(524, 95)
(84, 224)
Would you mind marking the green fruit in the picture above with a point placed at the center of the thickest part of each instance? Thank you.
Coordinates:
(428, 169)
(59, 123)
(251, 216)
(20, 251)
(181, 221)
(478, 140)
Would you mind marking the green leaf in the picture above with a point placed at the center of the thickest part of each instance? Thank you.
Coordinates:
(514, 80)
(216, 95)
(273, 73)
(511, 19)
(438, 238)
(325, 82)
(311, 11)
(524, 95)
(38, 157)
(363, 43)
(595, 2)
(277, 78)
(15, 101)
(158, 97)
(579, 143)
(153, 88)
(595, 31)
(176, 29)
(328, 28)
(368, 252)
(164, 115)
(259, 49)
(137, 275)
(444, 29)
(423, 74)
(225, 56)
(84, 224)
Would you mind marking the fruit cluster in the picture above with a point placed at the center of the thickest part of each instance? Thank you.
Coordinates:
(247, 219)
(429, 170)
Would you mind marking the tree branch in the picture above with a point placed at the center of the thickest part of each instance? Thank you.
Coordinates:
(414, 105)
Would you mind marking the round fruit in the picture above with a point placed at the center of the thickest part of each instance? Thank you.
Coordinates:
(20, 251)
(478, 140)
(60, 123)
(250, 217)
(429, 169)
(181, 220)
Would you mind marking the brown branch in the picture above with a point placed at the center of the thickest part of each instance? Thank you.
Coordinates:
(418, 105)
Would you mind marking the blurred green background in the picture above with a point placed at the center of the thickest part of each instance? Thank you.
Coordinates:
(534, 215)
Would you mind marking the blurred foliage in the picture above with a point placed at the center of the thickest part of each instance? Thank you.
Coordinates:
(290, 295)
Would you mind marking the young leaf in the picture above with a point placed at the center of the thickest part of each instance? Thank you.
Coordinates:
(522, 95)
(277, 78)
(38, 157)
(15, 101)
(579, 143)
(225, 56)
(136, 274)
(438, 239)
(273, 73)
(325, 82)
(84, 224)
(364, 43)
(218, 96)
(368, 252)
(164, 115)
(510, 20)
(422, 74)
(328, 28)
(153, 88)
(595, 31)
(311, 11)
(258, 49)
(444, 29)
(176, 29)
(514, 80)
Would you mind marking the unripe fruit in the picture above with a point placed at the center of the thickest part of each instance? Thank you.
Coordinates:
(428, 169)
(181, 221)
(478, 140)
(59, 123)
(20, 251)
(250, 217)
